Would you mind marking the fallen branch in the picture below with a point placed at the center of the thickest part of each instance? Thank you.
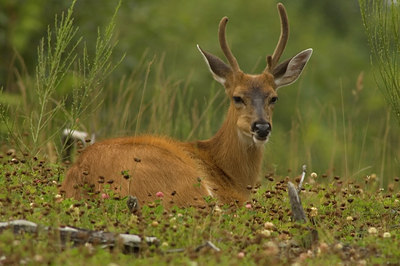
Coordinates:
(130, 243)
(207, 244)
(78, 236)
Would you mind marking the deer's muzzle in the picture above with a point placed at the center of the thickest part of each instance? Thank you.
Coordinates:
(261, 130)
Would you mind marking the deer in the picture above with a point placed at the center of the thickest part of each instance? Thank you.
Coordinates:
(188, 173)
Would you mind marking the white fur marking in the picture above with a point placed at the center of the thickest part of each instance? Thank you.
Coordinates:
(81, 135)
(258, 142)
(247, 138)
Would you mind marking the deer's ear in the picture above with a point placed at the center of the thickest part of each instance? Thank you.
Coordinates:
(217, 67)
(289, 71)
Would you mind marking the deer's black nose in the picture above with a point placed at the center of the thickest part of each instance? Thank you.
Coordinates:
(261, 129)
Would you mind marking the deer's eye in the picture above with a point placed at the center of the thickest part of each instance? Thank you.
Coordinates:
(273, 100)
(237, 100)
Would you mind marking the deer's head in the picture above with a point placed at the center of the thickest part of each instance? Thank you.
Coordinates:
(252, 97)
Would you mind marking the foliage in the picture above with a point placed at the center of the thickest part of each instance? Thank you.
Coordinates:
(381, 20)
(356, 223)
(42, 114)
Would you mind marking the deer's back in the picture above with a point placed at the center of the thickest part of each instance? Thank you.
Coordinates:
(141, 167)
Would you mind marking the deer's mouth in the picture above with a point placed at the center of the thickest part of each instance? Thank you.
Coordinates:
(260, 139)
(257, 139)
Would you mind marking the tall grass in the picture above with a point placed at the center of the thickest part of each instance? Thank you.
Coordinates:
(34, 126)
(381, 19)
(330, 137)
(148, 101)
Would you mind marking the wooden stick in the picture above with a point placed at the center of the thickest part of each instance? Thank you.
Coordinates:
(130, 243)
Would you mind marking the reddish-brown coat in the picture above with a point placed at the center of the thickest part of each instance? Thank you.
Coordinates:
(221, 167)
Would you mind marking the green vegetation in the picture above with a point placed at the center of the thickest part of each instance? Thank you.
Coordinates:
(356, 223)
(334, 119)
(42, 113)
(382, 24)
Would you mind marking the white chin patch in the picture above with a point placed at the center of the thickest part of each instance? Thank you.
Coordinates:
(259, 142)
(246, 137)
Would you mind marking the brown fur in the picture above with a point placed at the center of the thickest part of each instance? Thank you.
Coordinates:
(222, 167)
(225, 164)
(167, 165)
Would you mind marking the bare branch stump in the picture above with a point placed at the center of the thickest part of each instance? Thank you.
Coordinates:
(298, 213)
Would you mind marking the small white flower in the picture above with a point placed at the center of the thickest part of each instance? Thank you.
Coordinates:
(269, 225)
(241, 255)
(349, 218)
(386, 235)
(314, 175)
(266, 233)
(372, 231)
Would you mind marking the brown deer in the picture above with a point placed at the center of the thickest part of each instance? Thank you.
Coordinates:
(185, 173)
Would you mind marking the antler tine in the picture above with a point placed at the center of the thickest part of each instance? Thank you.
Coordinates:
(271, 62)
(224, 45)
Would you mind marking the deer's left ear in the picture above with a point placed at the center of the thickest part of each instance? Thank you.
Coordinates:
(217, 67)
(289, 71)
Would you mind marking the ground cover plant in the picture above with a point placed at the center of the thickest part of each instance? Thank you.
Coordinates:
(357, 223)
(335, 121)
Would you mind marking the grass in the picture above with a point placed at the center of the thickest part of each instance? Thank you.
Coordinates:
(381, 21)
(356, 222)
(59, 65)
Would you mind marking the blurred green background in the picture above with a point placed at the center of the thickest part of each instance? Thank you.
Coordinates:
(333, 118)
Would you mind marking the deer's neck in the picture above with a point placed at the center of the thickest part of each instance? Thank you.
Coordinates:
(237, 156)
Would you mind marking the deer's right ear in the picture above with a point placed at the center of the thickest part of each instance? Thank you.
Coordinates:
(217, 67)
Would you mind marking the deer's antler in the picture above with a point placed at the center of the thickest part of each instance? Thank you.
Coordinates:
(273, 60)
(225, 47)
